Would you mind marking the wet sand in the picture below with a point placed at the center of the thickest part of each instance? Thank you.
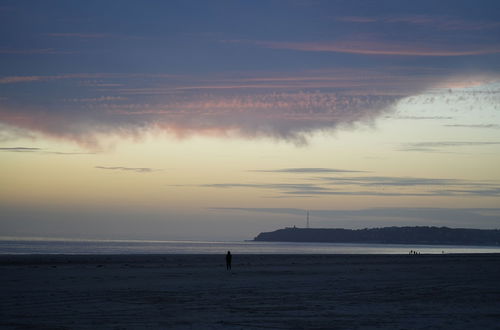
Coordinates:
(261, 292)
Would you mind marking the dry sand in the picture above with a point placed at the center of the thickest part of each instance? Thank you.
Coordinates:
(262, 291)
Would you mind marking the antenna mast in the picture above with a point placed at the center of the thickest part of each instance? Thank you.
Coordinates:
(307, 219)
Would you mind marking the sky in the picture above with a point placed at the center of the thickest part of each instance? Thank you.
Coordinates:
(217, 120)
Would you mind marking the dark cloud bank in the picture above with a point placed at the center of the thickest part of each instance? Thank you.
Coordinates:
(337, 69)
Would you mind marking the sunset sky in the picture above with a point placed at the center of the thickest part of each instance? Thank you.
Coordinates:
(216, 120)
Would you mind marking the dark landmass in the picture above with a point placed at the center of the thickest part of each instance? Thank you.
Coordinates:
(387, 235)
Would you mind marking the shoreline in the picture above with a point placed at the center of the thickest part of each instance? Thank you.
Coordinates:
(18, 247)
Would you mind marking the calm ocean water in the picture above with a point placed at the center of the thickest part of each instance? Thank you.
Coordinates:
(59, 246)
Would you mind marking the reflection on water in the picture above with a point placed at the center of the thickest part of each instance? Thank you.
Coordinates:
(51, 246)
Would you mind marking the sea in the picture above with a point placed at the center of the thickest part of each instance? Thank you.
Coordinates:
(10, 245)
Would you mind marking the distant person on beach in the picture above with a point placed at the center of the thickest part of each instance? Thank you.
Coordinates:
(228, 260)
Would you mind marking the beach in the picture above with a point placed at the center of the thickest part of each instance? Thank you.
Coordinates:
(445, 291)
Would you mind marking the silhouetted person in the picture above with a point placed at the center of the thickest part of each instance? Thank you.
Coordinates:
(228, 260)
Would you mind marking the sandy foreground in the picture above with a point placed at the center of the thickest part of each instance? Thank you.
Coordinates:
(262, 291)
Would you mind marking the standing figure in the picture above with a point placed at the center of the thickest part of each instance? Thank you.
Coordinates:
(228, 260)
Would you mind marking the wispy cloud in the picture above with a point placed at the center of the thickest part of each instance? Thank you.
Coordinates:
(20, 149)
(97, 99)
(40, 150)
(83, 75)
(311, 170)
(438, 146)
(68, 153)
(128, 169)
(493, 191)
(436, 22)
(389, 81)
(280, 186)
(420, 117)
(372, 186)
(492, 126)
(393, 181)
(378, 48)
(27, 79)
(19, 79)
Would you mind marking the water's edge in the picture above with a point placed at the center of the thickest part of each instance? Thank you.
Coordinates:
(59, 246)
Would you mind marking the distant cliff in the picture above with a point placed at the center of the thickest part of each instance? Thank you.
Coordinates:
(387, 235)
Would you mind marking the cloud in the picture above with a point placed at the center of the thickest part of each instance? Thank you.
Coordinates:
(348, 81)
(19, 79)
(310, 190)
(128, 169)
(378, 47)
(286, 187)
(20, 149)
(208, 84)
(277, 106)
(68, 153)
(420, 117)
(437, 146)
(97, 99)
(27, 79)
(431, 21)
(284, 116)
(80, 76)
(393, 181)
(494, 191)
(40, 150)
(372, 186)
(332, 192)
(493, 126)
(308, 170)
(424, 186)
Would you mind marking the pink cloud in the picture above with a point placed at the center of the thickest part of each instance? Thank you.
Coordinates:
(285, 116)
(379, 48)
(26, 79)
(225, 105)
(390, 80)
(19, 79)
(33, 78)
(97, 99)
(437, 22)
